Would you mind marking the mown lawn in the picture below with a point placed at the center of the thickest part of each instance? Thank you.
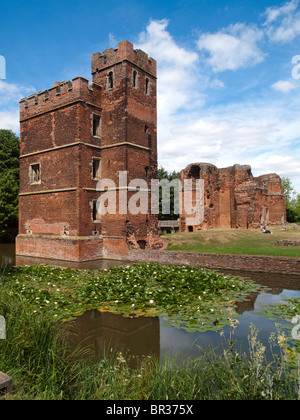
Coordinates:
(235, 241)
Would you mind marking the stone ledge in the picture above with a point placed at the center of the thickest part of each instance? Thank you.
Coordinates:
(288, 242)
(5, 382)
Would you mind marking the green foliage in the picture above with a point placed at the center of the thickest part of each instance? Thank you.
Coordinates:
(173, 198)
(9, 184)
(292, 200)
(189, 297)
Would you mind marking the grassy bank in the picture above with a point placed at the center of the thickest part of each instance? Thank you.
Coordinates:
(36, 355)
(235, 241)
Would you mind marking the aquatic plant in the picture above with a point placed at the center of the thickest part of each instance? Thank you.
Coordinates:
(192, 298)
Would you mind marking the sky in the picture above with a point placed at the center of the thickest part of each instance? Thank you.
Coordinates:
(228, 71)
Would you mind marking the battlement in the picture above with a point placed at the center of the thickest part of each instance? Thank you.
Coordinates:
(62, 93)
(125, 51)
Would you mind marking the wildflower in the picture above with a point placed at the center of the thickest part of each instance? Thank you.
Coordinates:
(151, 301)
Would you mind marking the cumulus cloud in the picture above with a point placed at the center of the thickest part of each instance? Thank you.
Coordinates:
(9, 119)
(10, 94)
(233, 47)
(282, 24)
(284, 86)
(178, 74)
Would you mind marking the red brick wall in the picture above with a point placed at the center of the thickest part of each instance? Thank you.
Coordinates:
(57, 133)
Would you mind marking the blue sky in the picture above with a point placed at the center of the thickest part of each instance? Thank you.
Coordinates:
(228, 91)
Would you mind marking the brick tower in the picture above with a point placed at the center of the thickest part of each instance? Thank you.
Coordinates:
(76, 134)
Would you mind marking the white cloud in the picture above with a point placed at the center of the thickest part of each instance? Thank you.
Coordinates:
(273, 13)
(284, 86)
(283, 23)
(178, 73)
(9, 119)
(233, 47)
(11, 92)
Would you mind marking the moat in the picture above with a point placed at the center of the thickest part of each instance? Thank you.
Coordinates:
(102, 331)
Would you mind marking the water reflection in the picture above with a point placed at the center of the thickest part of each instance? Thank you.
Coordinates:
(103, 333)
(7, 254)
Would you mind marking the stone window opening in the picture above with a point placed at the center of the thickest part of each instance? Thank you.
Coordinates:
(110, 80)
(35, 173)
(147, 86)
(135, 79)
(195, 172)
(142, 244)
(96, 125)
(96, 168)
(96, 216)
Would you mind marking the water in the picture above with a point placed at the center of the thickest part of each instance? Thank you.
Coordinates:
(102, 332)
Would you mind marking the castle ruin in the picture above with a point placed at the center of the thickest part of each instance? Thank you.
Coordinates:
(234, 198)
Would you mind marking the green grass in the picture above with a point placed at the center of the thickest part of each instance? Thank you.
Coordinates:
(232, 241)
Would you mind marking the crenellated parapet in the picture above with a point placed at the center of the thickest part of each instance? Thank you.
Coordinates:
(60, 95)
(124, 52)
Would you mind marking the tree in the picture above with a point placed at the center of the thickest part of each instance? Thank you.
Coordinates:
(169, 176)
(9, 184)
(292, 200)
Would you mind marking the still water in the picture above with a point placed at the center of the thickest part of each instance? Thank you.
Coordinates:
(100, 332)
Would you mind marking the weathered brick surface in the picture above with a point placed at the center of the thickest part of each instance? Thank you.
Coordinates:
(57, 134)
(233, 198)
(255, 263)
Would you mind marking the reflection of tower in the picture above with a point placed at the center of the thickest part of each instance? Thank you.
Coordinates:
(102, 332)
(75, 134)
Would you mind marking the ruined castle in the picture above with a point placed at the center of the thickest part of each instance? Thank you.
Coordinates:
(234, 198)
(73, 135)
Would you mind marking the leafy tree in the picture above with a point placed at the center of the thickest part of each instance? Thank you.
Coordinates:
(9, 184)
(169, 176)
(292, 200)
